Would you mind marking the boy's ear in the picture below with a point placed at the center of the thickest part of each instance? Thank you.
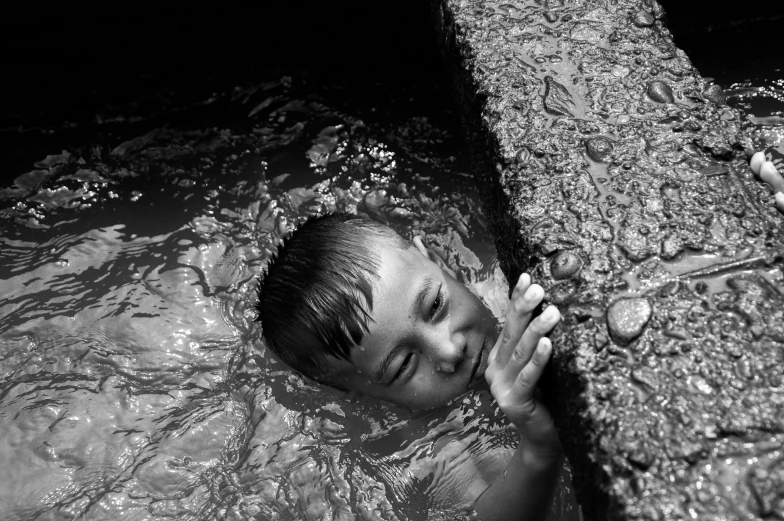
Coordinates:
(433, 256)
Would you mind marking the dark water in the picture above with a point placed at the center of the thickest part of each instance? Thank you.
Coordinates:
(133, 384)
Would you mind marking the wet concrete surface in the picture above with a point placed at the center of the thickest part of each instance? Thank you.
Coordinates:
(619, 178)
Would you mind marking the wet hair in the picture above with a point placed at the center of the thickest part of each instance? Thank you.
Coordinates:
(316, 294)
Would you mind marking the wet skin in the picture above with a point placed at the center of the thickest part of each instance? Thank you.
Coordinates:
(429, 336)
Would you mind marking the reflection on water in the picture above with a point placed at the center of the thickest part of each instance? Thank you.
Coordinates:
(133, 384)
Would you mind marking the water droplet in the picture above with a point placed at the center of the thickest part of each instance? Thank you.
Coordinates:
(523, 156)
(699, 383)
(743, 369)
(737, 384)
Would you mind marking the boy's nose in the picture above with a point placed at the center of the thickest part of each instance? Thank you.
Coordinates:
(451, 354)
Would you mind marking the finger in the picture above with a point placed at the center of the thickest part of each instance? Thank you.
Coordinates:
(517, 320)
(523, 283)
(756, 162)
(525, 383)
(780, 202)
(770, 175)
(525, 349)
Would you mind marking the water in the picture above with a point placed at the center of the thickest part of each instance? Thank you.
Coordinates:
(134, 384)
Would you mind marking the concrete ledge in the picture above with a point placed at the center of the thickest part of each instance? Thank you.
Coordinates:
(617, 176)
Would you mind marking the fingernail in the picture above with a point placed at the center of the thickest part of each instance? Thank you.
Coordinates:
(756, 162)
(768, 172)
(533, 291)
(550, 313)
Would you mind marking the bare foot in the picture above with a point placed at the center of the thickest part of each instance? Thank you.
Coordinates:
(768, 173)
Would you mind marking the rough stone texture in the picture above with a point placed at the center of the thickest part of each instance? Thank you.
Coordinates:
(611, 171)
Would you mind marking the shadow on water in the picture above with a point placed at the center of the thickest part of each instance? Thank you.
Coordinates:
(157, 155)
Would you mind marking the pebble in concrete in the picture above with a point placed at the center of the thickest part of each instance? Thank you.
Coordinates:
(643, 19)
(565, 265)
(627, 318)
(660, 92)
(557, 100)
(715, 94)
(599, 148)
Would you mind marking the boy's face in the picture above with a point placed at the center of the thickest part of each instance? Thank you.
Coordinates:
(429, 337)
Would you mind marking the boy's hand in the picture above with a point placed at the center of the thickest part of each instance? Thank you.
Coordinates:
(516, 363)
(765, 170)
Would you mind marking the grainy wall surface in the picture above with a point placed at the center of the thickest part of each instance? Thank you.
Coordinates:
(618, 177)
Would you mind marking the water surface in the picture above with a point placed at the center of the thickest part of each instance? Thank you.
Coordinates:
(133, 382)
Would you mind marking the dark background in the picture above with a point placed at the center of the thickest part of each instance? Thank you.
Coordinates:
(64, 63)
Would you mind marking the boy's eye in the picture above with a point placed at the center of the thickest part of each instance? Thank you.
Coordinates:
(437, 303)
(404, 367)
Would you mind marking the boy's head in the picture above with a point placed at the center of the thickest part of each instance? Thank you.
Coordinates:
(351, 304)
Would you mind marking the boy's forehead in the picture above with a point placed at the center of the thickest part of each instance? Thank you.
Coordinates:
(398, 263)
(403, 276)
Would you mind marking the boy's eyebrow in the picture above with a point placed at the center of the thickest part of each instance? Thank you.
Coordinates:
(419, 302)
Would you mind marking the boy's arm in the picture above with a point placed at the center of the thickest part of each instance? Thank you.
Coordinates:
(516, 363)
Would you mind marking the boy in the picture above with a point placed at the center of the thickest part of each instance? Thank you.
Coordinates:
(353, 305)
